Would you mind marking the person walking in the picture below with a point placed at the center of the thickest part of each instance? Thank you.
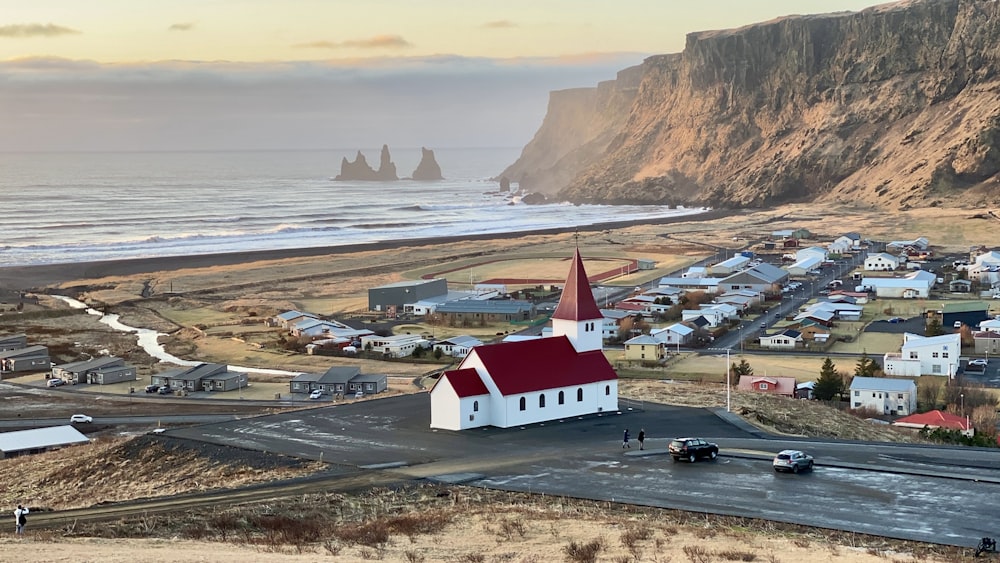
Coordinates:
(641, 437)
(20, 519)
(625, 443)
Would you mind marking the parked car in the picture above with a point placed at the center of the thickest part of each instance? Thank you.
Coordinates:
(792, 460)
(316, 394)
(359, 394)
(691, 449)
(82, 418)
(152, 388)
(979, 362)
(957, 324)
(895, 320)
(55, 382)
(165, 390)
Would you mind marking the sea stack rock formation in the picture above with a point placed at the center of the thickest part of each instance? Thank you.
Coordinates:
(893, 106)
(360, 170)
(428, 168)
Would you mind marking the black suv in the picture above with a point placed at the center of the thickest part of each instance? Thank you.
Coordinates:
(152, 388)
(692, 448)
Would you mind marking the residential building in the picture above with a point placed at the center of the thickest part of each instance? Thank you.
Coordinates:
(763, 278)
(920, 243)
(847, 242)
(457, 346)
(787, 339)
(987, 341)
(986, 268)
(881, 262)
(784, 386)
(884, 395)
(13, 342)
(288, 319)
(675, 335)
(394, 346)
(79, 372)
(790, 233)
(202, 377)
(925, 355)
(530, 381)
(932, 420)
(339, 381)
(915, 285)
(644, 348)
(30, 358)
(471, 312)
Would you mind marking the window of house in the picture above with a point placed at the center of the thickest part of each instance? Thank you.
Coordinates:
(935, 368)
(857, 404)
(524, 404)
(934, 354)
(913, 355)
(562, 397)
(762, 386)
(541, 401)
(475, 406)
(579, 394)
(857, 393)
(899, 396)
(944, 354)
(607, 390)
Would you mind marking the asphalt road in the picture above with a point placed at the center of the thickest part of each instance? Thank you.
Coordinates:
(939, 495)
(121, 420)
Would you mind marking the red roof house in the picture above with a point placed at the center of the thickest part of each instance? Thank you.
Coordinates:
(936, 419)
(763, 384)
(530, 381)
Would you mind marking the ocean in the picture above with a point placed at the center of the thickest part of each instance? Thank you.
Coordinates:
(82, 207)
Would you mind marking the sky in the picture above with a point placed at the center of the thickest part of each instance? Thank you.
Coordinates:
(316, 74)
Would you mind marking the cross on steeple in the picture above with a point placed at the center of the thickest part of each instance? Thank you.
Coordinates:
(576, 238)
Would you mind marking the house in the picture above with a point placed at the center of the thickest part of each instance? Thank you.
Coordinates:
(675, 335)
(741, 302)
(457, 346)
(920, 243)
(13, 342)
(202, 377)
(730, 265)
(805, 390)
(925, 355)
(884, 395)
(814, 333)
(288, 319)
(30, 358)
(392, 297)
(644, 348)
(804, 266)
(815, 317)
(986, 268)
(959, 286)
(790, 233)
(784, 386)
(470, 312)
(881, 262)
(339, 380)
(847, 242)
(787, 339)
(715, 317)
(116, 374)
(916, 284)
(612, 321)
(79, 372)
(394, 346)
(763, 278)
(840, 309)
(38, 440)
(530, 381)
(935, 419)
(987, 341)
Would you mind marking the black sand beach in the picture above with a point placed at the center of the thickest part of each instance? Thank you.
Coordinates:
(21, 278)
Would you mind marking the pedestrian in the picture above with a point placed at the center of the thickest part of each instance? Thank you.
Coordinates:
(20, 519)
(625, 443)
(641, 437)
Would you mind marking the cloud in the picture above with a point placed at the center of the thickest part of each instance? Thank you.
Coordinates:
(185, 26)
(499, 24)
(377, 42)
(35, 30)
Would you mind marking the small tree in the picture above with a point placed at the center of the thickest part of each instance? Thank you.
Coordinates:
(934, 328)
(829, 384)
(866, 367)
(927, 393)
(743, 368)
(438, 353)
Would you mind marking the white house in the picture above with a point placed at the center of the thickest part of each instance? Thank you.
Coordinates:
(915, 285)
(612, 320)
(785, 340)
(845, 243)
(695, 272)
(881, 262)
(457, 346)
(396, 346)
(925, 355)
(714, 315)
(887, 396)
(708, 285)
(675, 335)
(986, 268)
(530, 381)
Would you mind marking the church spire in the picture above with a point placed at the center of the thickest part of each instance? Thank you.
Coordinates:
(577, 301)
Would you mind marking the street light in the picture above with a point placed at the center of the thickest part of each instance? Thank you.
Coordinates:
(728, 386)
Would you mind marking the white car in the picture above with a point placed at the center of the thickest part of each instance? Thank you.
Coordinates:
(979, 362)
(316, 394)
(792, 460)
(80, 418)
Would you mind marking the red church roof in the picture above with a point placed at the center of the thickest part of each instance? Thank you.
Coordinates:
(465, 382)
(936, 419)
(577, 301)
(546, 363)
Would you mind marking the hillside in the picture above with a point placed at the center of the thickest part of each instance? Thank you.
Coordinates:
(894, 106)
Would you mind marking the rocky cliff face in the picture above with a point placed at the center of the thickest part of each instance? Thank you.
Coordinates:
(428, 169)
(897, 105)
(360, 170)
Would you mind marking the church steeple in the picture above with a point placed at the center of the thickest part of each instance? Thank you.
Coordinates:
(577, 316)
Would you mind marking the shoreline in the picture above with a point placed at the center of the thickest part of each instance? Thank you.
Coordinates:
(24, 278)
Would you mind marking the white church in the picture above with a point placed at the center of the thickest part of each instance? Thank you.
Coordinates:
(514, 383)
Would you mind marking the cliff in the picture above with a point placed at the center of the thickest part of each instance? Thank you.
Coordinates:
(428, 169)
(360, 170)
(895, 106)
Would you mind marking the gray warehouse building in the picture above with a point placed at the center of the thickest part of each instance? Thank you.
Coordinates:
(385, 297)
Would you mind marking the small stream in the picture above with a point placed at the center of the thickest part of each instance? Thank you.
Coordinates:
(149, 340)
